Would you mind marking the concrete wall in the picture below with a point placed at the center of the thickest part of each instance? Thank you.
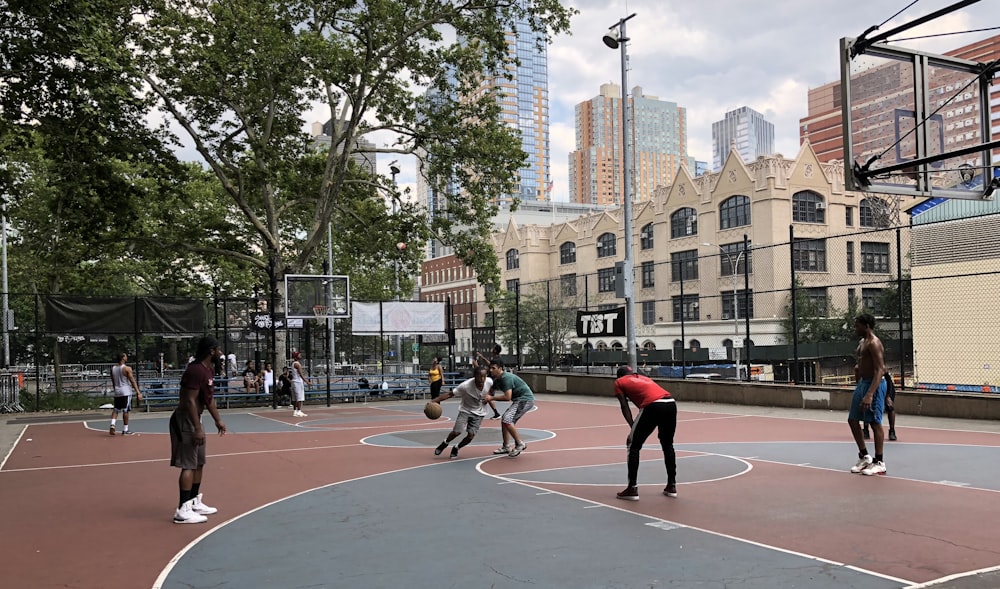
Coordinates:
(909, 402)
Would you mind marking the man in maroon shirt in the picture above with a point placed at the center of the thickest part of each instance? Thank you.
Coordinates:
(657, 410)
(187, 438)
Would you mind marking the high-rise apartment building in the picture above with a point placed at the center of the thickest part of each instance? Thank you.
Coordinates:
(748, 130)
(890, 90)
(658, 135)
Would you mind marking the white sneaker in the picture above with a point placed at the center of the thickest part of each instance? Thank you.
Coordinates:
(877, 468)
(862, 464)
(296, 413)
(198, 507)
(303, 414)
(502, 450)
(186, 515)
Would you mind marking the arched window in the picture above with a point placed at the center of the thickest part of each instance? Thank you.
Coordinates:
(646, 237)
(873, 212)
(648, 345)
(606, 245)
(695, 345)
(727, 343)
(567, 253)
(808, 207)
(734, 212)
(601, 346)
(678, 348)
(683, 223)
(616, 346)
(513, 259)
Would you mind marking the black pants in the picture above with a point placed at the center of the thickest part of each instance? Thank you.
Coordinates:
(436, 388)
(663, 418)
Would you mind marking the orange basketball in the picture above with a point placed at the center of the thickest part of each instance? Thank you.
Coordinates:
(432, 410)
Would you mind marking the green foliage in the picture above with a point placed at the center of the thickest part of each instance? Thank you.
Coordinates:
(816, 324)
(544, 326)
(60, 402)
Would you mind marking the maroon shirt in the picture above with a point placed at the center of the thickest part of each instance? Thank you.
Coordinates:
(201, 378)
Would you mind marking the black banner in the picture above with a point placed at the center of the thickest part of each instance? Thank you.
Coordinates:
(606, 322)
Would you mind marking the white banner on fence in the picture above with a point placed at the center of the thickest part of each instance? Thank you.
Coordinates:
(397, 317)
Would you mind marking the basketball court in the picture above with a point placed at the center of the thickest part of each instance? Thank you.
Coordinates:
(354, 496)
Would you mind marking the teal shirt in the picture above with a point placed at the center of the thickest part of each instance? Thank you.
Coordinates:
(509, 381)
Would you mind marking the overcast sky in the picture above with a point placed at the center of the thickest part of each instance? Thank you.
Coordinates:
(711, 56)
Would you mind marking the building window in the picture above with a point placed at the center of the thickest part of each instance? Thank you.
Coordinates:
(678, 347)
(567, 285)
(514, 285)
(808, 207)
(646, 237)
(648, 312)
(849, 216)
(683, 223)
(734, 212)
(648, 275)
(686, 308)
(874, 213)
(874, 257)
(606, 245)
(606, 280)
(870, 298)
(513, 259)
(742, 305)
(684, 266)
(850, 257)
(567, 253)
(817, 296)
(695, 345)
(809, 255)
(732, 254)
(852, 297)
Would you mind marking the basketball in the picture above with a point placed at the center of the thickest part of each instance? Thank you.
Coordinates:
(432, 410)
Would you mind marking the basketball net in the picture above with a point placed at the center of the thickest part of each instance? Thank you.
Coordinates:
(320, 311)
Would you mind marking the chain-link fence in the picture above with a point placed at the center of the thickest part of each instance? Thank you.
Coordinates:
(783, 311)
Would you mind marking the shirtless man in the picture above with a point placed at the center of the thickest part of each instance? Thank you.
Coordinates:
(868, 402)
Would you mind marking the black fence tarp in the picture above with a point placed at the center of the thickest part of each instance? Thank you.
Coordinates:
(77, 315)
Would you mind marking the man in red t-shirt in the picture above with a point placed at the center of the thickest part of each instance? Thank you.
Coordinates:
(657, 410)
(187, 438)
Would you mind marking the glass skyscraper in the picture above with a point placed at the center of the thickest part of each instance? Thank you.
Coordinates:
(748, 130)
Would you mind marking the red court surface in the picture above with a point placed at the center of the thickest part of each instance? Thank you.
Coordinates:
(88, 510)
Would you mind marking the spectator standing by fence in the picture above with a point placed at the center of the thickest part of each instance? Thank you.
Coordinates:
(299, 382)
(436, 377)
(266, 378)
(124, 383)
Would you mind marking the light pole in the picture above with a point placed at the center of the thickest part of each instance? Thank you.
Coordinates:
(736, 306)
(394, 170)
(616, 38)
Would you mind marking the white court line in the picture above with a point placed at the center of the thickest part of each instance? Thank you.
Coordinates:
(953, 577)
(12, 446)
(653, 519)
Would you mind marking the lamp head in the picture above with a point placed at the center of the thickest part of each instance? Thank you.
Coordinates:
(394, 167)
(611, 38)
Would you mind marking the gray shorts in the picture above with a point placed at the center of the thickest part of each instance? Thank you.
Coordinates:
(517, 410)
(298, 390)
(468, 423)
(184, 453)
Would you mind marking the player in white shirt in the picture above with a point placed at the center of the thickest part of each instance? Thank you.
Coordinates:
(471, 412)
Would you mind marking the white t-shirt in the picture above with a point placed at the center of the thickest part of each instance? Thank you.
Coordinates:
(268, 381)
(472, 397)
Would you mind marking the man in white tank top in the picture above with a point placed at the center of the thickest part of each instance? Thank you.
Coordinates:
(124, 383)
(299, 382)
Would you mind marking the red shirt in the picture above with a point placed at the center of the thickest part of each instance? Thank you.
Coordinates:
(201, 378)
(640, 389)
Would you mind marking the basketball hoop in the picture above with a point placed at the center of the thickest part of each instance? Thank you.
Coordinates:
(320, 311)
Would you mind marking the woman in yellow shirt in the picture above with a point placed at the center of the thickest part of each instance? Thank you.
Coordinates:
(436, 376)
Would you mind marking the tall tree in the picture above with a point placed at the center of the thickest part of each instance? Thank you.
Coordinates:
(543, 324)
(237, 77)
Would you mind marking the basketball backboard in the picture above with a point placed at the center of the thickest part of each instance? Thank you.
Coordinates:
(915, 123)
(317, 296)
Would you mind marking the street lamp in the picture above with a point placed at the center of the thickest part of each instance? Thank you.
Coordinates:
(616, 38)
(736, 315)
(394, 170)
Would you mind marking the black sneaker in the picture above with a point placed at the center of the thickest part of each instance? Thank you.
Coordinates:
(495, 416)
(440, 448)
(892, 435)
(128, 433)
(629, 494)
(454, 452)
(670, 490)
